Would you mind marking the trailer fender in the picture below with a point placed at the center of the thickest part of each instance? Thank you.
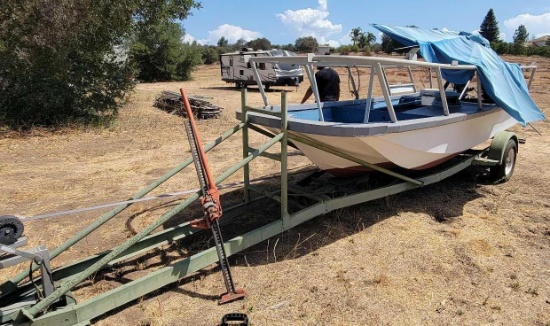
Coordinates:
(499, 143)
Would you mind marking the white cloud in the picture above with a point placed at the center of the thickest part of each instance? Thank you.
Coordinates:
(188, 38)
(232, 34)
(346, 38)
(333, 43)
(310, 22)
(502, 36)
(535, 24)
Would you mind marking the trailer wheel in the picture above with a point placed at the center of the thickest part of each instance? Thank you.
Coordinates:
(239, 85)
(503, 171)
(11, 228)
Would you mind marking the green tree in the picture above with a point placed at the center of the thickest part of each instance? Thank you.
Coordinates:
(520, 37)
(223, 42)
(210, 55)
(306, 44)
(388, 44)
(501, 47)
(355, 34)
(240, 43)
(489, 27)
(259, 44)
(288, 47)
(68, 59)
(365, 39)
(160, 53)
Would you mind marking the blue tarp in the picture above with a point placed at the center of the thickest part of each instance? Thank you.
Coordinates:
(502, 81)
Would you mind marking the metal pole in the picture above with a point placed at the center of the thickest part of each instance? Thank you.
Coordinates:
(246, 168)
(385, 91)
(315, 90)
(479, 93)
(284, 155)
(442, 93)
(259, 81)
(368, 104)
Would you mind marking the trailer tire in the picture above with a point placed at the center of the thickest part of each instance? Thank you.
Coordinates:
(239, 85)
(503, 172)
(11, 228)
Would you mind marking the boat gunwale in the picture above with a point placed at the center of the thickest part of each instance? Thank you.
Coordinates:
(344, 129)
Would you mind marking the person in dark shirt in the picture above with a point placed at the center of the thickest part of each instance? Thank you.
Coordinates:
(328, 83)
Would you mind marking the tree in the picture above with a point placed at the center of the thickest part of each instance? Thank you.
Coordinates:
(306, 44)
(288, 47)
(240, 43)
(489, 27)
(210, 55)
(355, 34)
(223, 42)
(388, 44)
(520, 37)
(259, 44)
(68, 60)
(365, 39)
(501, 47)
(160, 53)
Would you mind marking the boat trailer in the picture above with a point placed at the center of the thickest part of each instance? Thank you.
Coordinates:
(46, 299)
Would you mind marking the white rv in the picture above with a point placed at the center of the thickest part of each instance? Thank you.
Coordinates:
(234, 69)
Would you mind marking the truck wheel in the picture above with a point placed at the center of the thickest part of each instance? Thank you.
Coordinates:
(503, 172)
(239, 84)
(266, 87)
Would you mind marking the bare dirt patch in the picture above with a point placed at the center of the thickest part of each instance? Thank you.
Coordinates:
(457, 252)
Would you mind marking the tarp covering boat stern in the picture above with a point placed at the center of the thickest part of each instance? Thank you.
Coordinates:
(502, 81)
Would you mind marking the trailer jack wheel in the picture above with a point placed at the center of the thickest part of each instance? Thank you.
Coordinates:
(503, 171)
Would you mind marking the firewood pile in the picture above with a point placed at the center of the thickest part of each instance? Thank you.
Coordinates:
(171, 102)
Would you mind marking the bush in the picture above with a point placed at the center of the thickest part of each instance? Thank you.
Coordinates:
(68, 60)
(210, 55)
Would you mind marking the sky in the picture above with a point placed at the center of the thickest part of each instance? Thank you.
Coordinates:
(330, 21)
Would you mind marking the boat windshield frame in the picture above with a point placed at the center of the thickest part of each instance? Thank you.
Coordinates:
(377, 67)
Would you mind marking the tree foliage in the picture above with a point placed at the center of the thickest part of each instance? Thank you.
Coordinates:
(259, 44)
(388, 44)
(306, 44)
(489, 27)
(67, 59)
(210, 55)
(520, 37)
(161, 55)
(355, 35)
(365, 39)
(223, 42)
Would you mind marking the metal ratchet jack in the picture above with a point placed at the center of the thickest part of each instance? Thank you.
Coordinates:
(210, 200)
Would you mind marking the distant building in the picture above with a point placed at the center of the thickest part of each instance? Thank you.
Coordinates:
(540, 41)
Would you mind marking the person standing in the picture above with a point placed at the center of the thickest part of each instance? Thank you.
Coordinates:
(328, 83)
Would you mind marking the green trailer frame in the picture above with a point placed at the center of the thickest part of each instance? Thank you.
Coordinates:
(17, 305)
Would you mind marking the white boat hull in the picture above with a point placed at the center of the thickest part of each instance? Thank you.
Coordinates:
(415, 149)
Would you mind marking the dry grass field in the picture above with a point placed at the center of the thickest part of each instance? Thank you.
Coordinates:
(460, 252)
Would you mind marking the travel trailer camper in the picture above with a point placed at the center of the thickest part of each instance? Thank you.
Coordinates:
(234, 69)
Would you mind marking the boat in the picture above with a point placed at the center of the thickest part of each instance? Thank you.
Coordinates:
(407, 126)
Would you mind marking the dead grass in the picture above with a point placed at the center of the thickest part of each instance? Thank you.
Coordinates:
(458, 252)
